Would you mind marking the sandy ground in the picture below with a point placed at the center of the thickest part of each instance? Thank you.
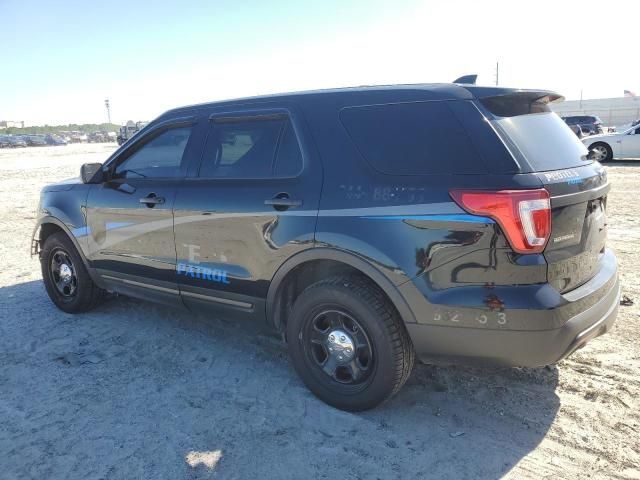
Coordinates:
(133, 390)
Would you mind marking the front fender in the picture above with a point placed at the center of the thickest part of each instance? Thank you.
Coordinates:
(72, 233)
(65, 209)
(51, 220)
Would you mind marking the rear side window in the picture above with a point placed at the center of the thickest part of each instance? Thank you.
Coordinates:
(419, 138)
(255, 147)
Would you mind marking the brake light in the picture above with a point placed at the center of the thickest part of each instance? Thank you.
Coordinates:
(523, 215)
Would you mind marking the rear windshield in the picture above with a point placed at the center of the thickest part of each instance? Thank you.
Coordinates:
(421, 138)
(541, 138)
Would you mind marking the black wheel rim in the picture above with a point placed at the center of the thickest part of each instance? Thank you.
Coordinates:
(338, 348)
(63, 274)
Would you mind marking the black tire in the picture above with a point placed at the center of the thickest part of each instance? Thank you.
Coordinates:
(601, 152)
(369, 319)
(79, 294)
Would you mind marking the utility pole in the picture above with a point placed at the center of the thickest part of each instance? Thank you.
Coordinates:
(497, 73)
(106, 104)
(580, 99)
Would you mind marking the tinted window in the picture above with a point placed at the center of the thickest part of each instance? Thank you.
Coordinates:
(252, 148)
(545, 141)
(412, 139)
(160, 157)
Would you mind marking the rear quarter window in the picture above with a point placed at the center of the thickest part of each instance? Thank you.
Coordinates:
(421, 138)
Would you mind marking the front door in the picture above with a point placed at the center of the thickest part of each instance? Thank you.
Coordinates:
(631, 144)
(249, 205)
(130, 218)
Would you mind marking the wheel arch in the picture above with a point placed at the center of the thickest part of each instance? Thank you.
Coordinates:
(49, 225)
(604, 143)
(324, 261)
(599, 142)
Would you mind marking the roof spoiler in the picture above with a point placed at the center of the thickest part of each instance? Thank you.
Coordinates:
(467, 79)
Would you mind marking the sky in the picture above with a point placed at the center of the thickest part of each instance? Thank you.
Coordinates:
(61, 60)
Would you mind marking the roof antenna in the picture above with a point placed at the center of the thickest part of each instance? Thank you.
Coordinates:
(468, 79)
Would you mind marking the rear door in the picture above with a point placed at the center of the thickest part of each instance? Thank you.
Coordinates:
(251, 203)
(130, 219)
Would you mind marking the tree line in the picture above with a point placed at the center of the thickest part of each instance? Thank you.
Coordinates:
(72, 127)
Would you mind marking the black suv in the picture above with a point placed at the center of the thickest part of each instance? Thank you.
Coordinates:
(367, 225)
(588, 124)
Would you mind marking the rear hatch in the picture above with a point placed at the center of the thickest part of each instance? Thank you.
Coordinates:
(545, 147)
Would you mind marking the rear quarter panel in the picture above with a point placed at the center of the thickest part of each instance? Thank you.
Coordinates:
(407, 226)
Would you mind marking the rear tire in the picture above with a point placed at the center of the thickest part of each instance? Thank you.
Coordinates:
(601, 152)
(65, 277)
(347, 326)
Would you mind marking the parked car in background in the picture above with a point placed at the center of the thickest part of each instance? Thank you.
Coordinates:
(78, 137)
(66, 136)
(17, 142)
(129, 130)
(589, 124)
(35, 140)
(95, 137)
(101, 137)
(577, 130)
(4, 142)
(53, 139)
(608, 146)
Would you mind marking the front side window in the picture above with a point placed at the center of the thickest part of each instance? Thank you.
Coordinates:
(251, 148)
(162, 156)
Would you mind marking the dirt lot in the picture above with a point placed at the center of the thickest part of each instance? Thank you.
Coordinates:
(133, 390)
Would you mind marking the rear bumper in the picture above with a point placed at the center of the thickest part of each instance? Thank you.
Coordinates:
(523, 347)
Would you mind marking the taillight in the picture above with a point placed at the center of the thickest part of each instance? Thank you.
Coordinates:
(523, 215)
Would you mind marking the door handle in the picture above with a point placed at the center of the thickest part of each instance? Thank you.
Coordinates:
(151, 200)
(282, 201)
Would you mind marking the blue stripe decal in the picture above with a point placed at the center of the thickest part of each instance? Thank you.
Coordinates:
(467, 218)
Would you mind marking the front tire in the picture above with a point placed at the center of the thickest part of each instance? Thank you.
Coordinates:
(348, 344)
(65, 277)
(600, 152)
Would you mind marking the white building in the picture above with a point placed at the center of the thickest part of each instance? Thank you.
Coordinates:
(614, 112)
(9, 124)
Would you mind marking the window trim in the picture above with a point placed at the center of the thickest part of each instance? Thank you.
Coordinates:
(230, 116)
(145, 137)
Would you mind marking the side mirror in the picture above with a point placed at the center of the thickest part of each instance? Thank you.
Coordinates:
(92, 173)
